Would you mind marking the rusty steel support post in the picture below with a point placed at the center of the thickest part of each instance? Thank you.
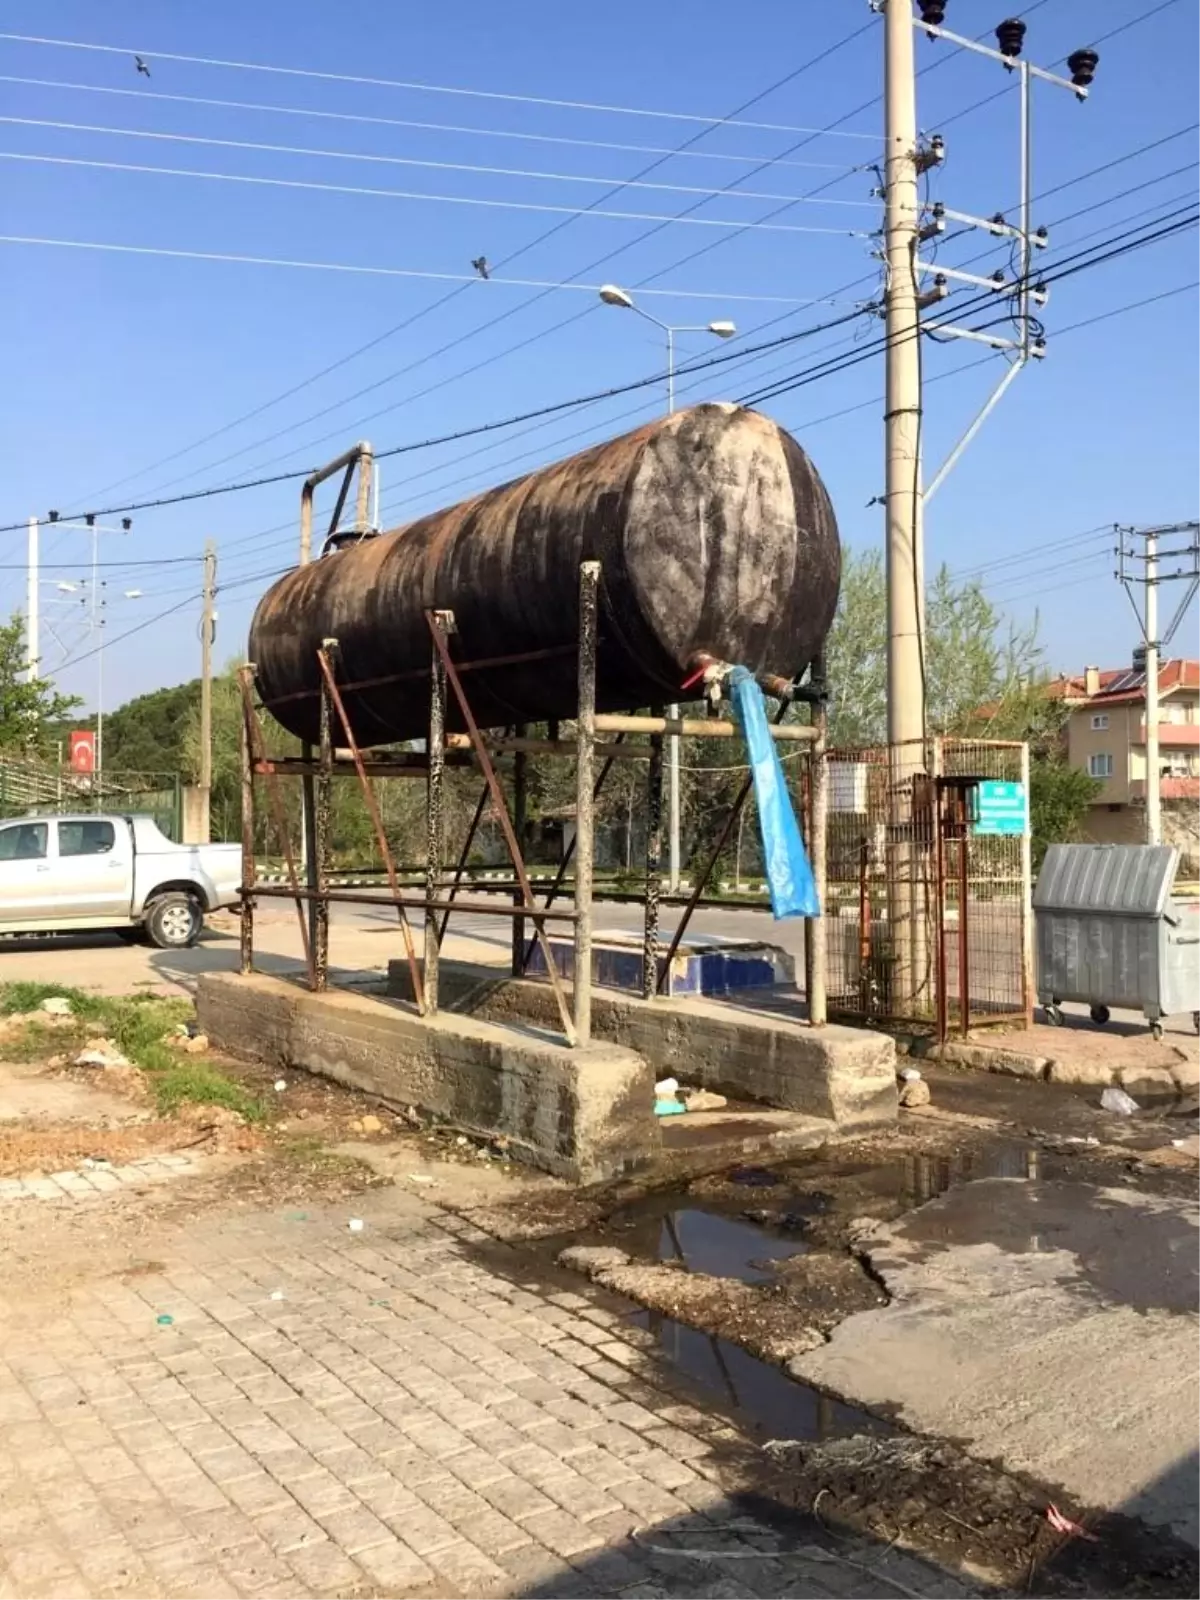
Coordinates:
(651, 981)
(818, 1001)
(326, 658)
(249, 875)
(964, 932)
(520, 820)
(585, 762)
(320, 843)
(437, 628)
(259, 763)
(435, 819)
(941, 977)
(308, 828)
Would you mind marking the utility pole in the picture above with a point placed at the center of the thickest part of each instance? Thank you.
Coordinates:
(907, 224)
(1141, 563)
(33, 647)
(1153, 774)
(207, 635)
(902, 495)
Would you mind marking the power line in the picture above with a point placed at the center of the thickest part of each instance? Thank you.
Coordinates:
(424, 88)
(365, 191)
(414, 161)
(426, 127)
(397, 272)
(555, 228)
(450, 438)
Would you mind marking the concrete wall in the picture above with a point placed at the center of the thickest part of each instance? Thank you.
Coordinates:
(585, 1115)
(846, 1075)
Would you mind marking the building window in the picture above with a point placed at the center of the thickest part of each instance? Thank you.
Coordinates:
(1100, 766)
(1099, 721)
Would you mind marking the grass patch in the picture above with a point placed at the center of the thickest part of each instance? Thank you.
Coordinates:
(137, 1025)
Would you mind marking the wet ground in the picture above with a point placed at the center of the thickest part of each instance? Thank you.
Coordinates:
(1006, 1180)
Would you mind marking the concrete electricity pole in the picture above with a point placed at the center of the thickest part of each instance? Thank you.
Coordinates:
(33, 647)
(908, 223)
(207, 634)
(1141, 565)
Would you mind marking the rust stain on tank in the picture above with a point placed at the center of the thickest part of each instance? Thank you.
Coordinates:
(714, 534)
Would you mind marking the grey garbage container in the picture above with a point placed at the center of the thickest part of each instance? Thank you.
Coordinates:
(1108, 932)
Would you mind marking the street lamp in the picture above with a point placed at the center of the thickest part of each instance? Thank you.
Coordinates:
(613, 295)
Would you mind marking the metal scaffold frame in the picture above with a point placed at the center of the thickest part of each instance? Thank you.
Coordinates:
(609, 737)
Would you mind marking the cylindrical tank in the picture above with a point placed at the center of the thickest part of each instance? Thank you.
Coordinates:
(715, 536)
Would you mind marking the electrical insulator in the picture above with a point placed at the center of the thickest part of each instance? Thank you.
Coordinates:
(1040, 239)
(1040, 293)
(933, 12)
(1010, 36)
(1082, 64)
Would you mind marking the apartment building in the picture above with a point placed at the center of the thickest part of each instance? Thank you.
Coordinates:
(1106, 736)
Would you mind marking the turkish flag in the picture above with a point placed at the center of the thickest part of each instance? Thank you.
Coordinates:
(83, 751)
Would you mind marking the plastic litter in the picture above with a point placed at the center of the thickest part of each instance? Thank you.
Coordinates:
(280, 1085)
(100, 1055)
(277, 1294)
(910, 1074)
(1062, 1524)
(355, 1224)
(669, 1108)
(703, 1100)
(164, 1319)
(57, 1005)
(666, 1086)
(421, 1177)
(1117, 1100)
(789, 875)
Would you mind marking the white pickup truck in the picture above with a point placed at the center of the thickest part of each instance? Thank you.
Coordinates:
(64, 874)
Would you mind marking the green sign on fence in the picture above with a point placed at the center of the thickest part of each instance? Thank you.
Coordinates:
(1003, 808)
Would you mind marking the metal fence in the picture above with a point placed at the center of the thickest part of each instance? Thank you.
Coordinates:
(28, 786)
(927, 915)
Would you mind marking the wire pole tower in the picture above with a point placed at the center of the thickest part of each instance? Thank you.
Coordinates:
(908, 223)
(1140, 565)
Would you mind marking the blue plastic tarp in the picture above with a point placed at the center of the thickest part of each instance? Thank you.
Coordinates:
(789, 875)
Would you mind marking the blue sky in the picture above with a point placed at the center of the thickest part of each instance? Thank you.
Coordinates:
(117, 360)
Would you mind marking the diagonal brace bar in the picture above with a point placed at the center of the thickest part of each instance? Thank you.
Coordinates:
(324, 655)
(436, 628)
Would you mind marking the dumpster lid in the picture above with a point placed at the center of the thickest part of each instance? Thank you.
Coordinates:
(1121, 879)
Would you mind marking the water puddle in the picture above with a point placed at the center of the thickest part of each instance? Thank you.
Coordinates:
(764, 1397)
(722, 1246)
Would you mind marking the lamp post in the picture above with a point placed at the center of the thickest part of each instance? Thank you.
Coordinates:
(613, 295)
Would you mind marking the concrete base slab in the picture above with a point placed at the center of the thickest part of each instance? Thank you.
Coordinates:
(844, 1075)
(585, 1115)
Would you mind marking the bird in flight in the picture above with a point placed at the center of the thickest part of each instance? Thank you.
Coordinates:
(141, 66)
(480, 263)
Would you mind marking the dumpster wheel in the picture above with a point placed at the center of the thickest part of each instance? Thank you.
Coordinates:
(1053, 1015)
(1100, 1015)
(1156, 1030)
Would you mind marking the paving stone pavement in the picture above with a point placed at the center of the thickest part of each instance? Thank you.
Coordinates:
(283, 1406)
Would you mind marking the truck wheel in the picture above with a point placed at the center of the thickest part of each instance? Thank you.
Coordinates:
(1100, 1015)
(173, 921)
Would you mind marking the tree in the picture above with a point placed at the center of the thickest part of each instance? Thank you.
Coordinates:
(985, 679)
(972, 656)
(26, 707)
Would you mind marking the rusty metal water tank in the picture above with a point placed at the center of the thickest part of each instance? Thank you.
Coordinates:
(715, 536)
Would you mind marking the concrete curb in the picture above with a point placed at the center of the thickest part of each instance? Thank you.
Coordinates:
(1144, 1081)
